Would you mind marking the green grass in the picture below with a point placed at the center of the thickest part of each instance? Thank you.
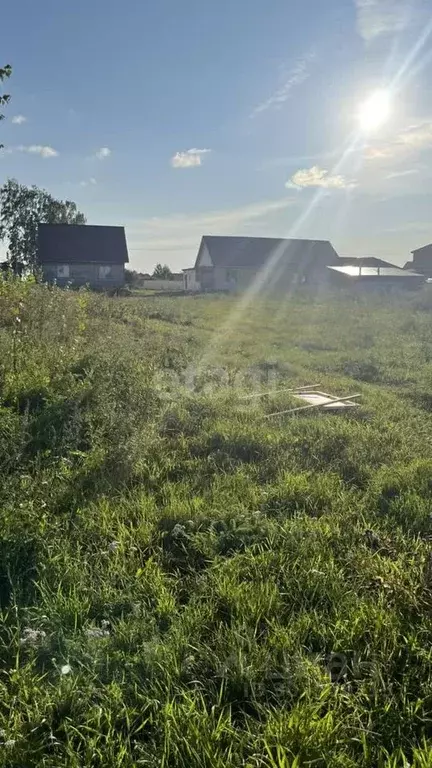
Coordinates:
(186, 584)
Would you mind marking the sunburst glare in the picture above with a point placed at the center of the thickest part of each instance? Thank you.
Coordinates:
(375, 111)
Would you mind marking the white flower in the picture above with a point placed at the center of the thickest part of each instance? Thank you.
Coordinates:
(178, 531)
(32, 636)
(96, 632)
(66, 669)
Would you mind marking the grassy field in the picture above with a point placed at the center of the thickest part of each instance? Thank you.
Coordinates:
(186, 584)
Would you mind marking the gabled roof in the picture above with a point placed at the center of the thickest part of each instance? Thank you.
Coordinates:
(255, 251)
(363, 261)
(73, 243)
(423, 248)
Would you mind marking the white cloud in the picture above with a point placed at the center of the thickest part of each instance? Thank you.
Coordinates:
(417, 136)
(103, 153)
(181, 233)
(19, 119)
(294, 77)
(411, 140)
(399, 174)
(380, 17)
(189, 159)
(38, 149)
(89, 183)
(316, 177)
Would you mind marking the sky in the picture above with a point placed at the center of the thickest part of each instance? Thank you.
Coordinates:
(178, 119)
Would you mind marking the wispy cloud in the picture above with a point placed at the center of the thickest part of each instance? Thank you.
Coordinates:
(417, 136)
(192, 158)
(89, 182)
(182, 232)
(37, 149)
(380, 17)
(400, 174)
(411, 140)
(103, 153)
(294, 77)
(317, 177)
(19, 119)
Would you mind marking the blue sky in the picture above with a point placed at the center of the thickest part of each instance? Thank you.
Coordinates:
(178, 119)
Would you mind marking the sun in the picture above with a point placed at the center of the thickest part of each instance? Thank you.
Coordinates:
(375, 111)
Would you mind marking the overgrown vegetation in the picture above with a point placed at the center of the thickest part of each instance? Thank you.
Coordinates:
(185, 584)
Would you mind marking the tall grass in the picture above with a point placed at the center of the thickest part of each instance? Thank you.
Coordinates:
(185, 584)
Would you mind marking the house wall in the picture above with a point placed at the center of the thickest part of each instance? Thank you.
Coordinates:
(204, 257)
(381, 284)
(85, 273)
(190, 281)
(282, 278)
(422, 261)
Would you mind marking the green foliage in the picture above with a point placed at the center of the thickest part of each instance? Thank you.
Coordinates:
(184, 583)
(22, 208)
(162, 272)
(5, 73)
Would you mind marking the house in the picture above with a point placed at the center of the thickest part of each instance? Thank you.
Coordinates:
(363, 261)
(385, 279)
(190, 282)
(421, 261)
(234, 263)
(81, 254)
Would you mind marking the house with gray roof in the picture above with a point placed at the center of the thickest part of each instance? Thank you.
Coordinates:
(234, 263)
(421, 260)
(83, 254)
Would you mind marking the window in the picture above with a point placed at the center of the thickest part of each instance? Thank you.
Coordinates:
(231, 275)
(62, 270)
(104, 271)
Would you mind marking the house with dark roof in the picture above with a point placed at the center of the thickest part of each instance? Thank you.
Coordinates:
(83, 254)
(233, 263)
(421, 260)
(382, 279)
(364, 261)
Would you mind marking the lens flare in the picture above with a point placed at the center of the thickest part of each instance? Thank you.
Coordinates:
(375, 111)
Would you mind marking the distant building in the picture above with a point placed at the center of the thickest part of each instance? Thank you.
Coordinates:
(374, 278)
(363, 261)
(82, 254)
(421, 261)
(233, 263)
(190, 282)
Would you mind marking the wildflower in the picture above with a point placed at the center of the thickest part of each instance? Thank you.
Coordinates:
(96, 632)
(32, 637)
(66, 669)
(178, 531)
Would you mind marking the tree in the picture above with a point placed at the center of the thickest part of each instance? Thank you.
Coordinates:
(162, 272)
(131, 277)
(5, 72)
(21, 210)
